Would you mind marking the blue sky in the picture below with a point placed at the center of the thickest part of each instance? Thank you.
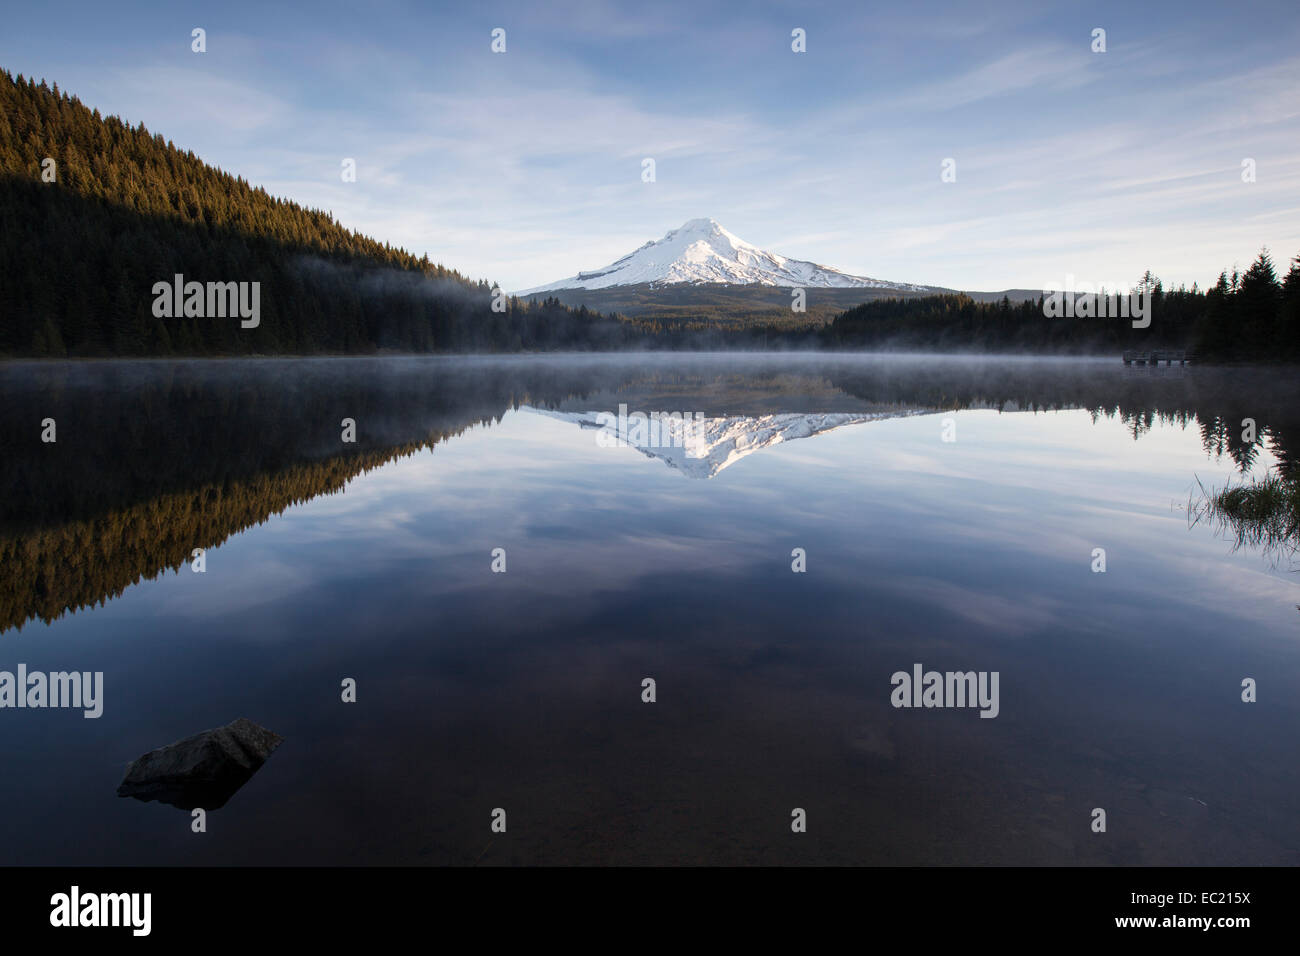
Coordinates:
(525, 167)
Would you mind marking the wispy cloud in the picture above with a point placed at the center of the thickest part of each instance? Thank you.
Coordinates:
(525, 166)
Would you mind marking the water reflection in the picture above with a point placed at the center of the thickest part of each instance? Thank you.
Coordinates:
(155, 459)
(522, 690)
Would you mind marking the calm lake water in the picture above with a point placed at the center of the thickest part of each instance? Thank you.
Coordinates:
(373, 560)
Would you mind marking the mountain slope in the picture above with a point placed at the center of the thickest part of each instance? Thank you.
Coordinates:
(702, 448)
(120, 209)
(701, 251)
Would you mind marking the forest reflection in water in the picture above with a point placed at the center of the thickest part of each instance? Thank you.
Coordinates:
(372, 560)
(155, 459)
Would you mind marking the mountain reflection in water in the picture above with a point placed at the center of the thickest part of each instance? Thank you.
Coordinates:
(372, 561)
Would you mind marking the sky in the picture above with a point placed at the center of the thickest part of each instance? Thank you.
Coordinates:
(526, 166)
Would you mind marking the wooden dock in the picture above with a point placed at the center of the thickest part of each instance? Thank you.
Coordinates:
(1156, 356)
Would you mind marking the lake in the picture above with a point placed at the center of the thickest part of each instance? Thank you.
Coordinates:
(500, 560)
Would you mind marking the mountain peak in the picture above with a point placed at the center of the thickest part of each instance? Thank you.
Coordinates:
(698, 225)
(702, 251)
(705, 446)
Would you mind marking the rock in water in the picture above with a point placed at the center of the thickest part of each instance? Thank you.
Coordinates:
(201, 771)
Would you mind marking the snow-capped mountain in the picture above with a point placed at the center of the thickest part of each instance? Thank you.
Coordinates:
(702, 447)
(702, 251)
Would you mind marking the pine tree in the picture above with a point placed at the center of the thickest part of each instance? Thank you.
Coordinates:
(1257, 304)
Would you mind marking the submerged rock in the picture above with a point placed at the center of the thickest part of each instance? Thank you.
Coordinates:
(201, 771)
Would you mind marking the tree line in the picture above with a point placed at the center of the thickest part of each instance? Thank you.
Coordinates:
(97, 212)
(1251, 317)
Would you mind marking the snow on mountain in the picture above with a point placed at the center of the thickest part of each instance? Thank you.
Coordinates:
(702, 447)
(702, 251)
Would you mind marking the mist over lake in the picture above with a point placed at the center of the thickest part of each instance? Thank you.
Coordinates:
(945, 512)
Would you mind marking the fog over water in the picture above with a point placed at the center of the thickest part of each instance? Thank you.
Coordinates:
(948, 510)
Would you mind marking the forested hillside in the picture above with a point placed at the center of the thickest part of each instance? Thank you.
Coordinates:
(86, 237)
